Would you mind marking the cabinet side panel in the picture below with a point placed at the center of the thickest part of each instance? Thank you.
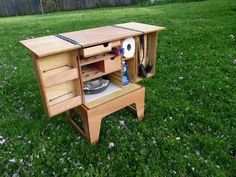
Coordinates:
(152, 50)
(40, 82)
(59, 80)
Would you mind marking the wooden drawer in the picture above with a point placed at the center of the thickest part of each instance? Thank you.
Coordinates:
(101, 68)
(99, 49)
(110, 65)
(96, 50)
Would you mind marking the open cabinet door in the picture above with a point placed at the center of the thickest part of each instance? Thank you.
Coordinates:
(146, 45)
(58, 76)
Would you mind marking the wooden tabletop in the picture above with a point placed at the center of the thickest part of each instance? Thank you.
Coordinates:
(100, 35)
(144, 28)
(48, 45)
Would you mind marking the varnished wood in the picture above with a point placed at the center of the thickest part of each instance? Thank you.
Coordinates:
(153, 48)
(48, 45)
(116, 78)
(100, 68)
(111, 65)
(144, 28)
(94, 36)
(62, 67)
(92, 117)
(58, 75)
(96, 50)
(62, 76)
(94, 59)
(40, 83)
(125, 90)
(65, 105)
(74, 124)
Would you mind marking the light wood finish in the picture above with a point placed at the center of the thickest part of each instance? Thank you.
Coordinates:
(101, 68)
(111, 65)
(74, 124)
(57, 78)
(57, 70)
(48, 45)
(91, 72)
(116, 78)
(61, 72)
(145, 50)
(116, 43)
(57, 61)
(40, 83)
(79, 81)
(86, 61)
(100, 35)
(153, 49)
(65, 105)
(150, 54)
(96, 50)
(92, 117)
(131, 70)
(141, 27)
(124, 58)
(60, 91)
(125, 90)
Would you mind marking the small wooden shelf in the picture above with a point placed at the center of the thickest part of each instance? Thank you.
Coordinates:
(64, 105)
(100, 68)
(91, 72)
(124, 59)
(64, 96)
(58, 75)
(86, 61)
(125, 90)
(96, 50)
(57, 70)
(109, 90)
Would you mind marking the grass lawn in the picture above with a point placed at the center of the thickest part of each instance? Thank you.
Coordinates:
(189, 127)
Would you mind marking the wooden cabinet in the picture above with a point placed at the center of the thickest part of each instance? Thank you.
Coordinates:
(59, 80)
(64, 62)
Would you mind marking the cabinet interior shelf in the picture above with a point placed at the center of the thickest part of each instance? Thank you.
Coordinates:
(91, 72)
(124, 58)
(57, 70)
(90, 60)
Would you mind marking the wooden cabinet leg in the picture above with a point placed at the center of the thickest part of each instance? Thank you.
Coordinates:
(91, 124)
(94, 126)
(74, 124)
(140, 106)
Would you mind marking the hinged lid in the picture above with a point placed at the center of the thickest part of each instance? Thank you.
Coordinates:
(100, 35)
(44, 46)
(140, 27)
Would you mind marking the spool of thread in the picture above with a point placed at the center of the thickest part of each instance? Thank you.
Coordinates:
(116, 51)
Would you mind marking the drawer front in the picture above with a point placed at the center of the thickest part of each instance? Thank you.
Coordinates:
(113, 64)
(96, 50)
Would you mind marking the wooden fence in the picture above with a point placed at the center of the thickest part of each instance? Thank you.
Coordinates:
(25, 7)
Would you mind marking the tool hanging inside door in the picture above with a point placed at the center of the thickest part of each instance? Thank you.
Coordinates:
(144, 70)
(150, 62)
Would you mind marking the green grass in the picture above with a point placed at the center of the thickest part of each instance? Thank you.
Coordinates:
(189, 127)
